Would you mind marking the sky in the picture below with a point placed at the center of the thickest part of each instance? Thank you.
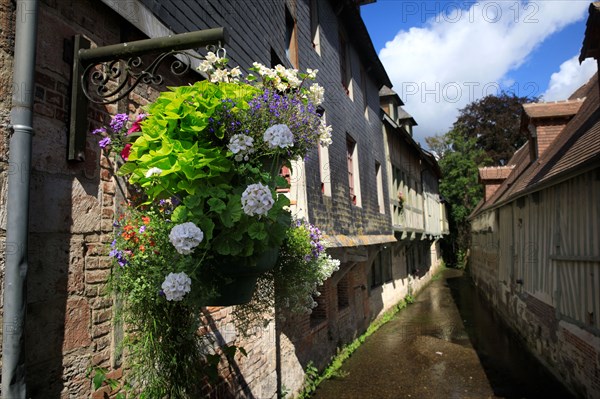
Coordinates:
(442, 55)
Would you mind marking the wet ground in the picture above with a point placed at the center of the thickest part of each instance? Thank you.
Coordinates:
(448, 344)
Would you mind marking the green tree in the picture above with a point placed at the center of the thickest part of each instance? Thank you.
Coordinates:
(459, 163)
(494, 121)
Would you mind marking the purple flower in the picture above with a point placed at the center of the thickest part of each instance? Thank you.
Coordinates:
(104, 142)
(118, 255)
(118, 121)
(142, 229)
(100, 130)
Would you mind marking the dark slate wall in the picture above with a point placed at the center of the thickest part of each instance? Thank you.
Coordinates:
(255, 28)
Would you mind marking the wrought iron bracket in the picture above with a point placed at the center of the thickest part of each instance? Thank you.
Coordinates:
(105, 75)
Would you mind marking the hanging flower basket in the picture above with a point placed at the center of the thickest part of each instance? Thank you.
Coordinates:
(235, 279)
(206, 217)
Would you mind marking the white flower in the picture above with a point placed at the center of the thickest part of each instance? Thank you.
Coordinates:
(293, 81)
(271, 73)
(316, 94)
(211, 57)
(280, 69)
(257, 200)
(176, 285)
(279, 136)
(325, 134)
(219, 75)
(205, 66)
(235, 72)
(241, 145)
(153, 171)
(312, 73)
(185, 237)
(281, 86)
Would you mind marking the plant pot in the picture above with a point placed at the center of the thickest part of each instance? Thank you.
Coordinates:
(235, 278)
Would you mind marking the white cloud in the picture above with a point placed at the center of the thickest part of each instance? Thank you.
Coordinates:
(461, 55)
(569, 78)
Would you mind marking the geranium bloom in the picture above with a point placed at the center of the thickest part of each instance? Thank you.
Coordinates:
(126, 151)
(241, 145)
(136, 127)
(257, 200)
(176, 285)
(185, 237)
(279, 136)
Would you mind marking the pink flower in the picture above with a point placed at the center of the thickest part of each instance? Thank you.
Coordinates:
(135, 126)
(126, 151)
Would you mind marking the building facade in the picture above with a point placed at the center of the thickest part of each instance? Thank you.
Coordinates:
(346, 189)
(535, 236)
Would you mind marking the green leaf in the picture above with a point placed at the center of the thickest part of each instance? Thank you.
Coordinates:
(217, 205)
(180, 214)
(233, 212)
(99, 378)
(281, 182)
(207, 226)
(127, 168)
(257, 231)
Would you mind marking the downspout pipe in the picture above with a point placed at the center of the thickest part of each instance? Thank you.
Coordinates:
(17, 207)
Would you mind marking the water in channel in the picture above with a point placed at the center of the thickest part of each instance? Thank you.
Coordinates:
(448, 345)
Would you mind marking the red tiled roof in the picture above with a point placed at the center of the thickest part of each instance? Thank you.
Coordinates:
(575, 149)
(578, 144)
(552, 109)
(495, 172)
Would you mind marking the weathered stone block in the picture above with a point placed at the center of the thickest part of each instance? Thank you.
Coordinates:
(77, 324)
(63, 204)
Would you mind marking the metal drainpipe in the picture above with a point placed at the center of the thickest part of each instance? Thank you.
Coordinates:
(17, 208)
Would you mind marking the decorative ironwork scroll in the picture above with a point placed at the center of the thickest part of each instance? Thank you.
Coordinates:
(107, 74)
(111, 81)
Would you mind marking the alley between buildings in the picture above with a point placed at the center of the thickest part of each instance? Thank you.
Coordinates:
(448, 344)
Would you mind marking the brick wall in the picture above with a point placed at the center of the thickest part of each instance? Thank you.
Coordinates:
(547, 131)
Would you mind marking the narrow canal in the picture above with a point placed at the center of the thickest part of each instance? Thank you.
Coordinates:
(448, 344)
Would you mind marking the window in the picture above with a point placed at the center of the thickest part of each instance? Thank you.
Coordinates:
(379, 180)
(291, 38)
(381, 269)
(324, 167)
(345, 67)
(315, 29)
(342, 292)
(353, 180)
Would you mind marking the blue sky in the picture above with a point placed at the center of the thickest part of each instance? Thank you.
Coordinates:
(442, 55)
